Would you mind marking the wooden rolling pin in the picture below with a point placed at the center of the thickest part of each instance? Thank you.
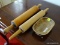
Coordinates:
(23, 17)
(25, 26)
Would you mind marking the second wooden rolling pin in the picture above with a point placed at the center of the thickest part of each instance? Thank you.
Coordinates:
(23, 17)
(25, 26)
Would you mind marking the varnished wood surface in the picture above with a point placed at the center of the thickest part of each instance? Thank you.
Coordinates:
(11, 11)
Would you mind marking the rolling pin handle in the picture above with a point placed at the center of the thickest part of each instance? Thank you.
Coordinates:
(6, 30)
(39, 5)
(15, 34)
(46, 9)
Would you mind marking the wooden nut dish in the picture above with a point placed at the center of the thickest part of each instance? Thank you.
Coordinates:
(43, 26)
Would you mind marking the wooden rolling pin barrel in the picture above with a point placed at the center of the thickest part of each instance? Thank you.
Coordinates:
(23, 17)
(26, 25)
